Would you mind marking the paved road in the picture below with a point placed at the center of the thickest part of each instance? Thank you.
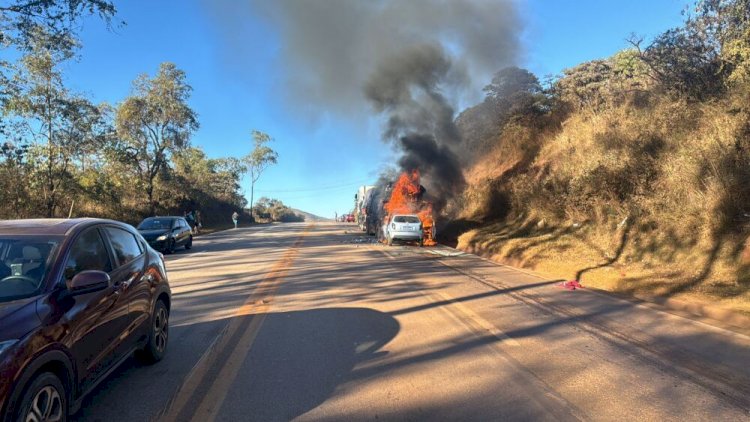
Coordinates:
(311, 323)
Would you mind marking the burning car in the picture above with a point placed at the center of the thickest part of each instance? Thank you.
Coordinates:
(407, 199)
(403, 227)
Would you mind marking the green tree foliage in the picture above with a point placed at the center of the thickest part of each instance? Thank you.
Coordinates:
(14, 194)
(24, 23)
(724, 25)
(154, 123)
(687, 62)
(22, 20)
(706, 55)
(275, 210)
(586, 85)
(259, 159)
(513, 93)
(199, 182)
(512, 84)
(598, 84)
(59, 126)
(59, 153)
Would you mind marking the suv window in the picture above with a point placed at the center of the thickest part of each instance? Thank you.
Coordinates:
(88, 253)
(126, 246)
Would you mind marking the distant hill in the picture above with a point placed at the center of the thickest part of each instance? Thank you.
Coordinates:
(310, 217)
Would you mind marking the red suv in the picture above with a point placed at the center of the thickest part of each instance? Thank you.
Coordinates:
(77, 298)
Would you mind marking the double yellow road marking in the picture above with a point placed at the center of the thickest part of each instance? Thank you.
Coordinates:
(209, 393)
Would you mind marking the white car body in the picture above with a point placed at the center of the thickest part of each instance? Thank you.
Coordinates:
(403, 227)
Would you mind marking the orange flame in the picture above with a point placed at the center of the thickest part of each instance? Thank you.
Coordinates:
(405, 200)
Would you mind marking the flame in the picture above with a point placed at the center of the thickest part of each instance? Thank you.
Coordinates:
(406, 199)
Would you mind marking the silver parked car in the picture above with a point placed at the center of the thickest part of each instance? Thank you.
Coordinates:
(403, 227)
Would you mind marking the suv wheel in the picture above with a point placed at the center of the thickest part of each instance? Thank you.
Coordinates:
(157, 339)
(44, 400)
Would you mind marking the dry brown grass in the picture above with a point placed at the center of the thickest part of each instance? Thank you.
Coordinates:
(563, 252)
(647, 200)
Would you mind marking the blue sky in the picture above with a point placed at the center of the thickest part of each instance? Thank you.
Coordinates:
(323, 156)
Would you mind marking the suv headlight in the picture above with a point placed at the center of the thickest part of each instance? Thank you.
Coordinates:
(162, 237)
(4, 345)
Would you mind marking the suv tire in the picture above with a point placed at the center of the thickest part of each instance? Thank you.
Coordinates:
(45, 398)
(156, 347)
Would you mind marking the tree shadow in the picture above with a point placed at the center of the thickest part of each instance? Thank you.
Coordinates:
(279, 379)
(623, 241)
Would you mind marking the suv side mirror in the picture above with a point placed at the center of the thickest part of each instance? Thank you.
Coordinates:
(88, 281)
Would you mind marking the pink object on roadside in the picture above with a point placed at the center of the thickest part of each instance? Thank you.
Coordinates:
(571, 285)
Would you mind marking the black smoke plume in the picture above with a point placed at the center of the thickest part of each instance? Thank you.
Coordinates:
(415, 61)
(437, 164)
(420, 120)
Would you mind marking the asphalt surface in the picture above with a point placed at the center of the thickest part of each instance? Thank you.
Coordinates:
(316, 323)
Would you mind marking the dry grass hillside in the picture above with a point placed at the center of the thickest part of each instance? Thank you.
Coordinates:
(630, 173)
(647, 200)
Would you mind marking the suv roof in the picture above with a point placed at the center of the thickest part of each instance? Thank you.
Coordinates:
(46, 226)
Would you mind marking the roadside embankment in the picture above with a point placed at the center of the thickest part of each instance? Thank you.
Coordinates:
(697, 280)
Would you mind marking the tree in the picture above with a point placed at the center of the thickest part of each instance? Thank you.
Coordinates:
(586, 85)
(23, 23)
(687, 62)
(205, 181)
(21, 20)
(259, 159)
(710, 51)
(512, 82)
(153, 123)
(729, 23)
(14, 193)
(516, 92)
(59, 126)
(275, 210)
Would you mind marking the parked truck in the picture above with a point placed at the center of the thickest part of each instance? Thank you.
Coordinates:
(360, 201)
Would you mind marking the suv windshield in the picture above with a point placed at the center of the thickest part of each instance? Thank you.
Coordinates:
(156, 224)
(24, 262)
(405, 219)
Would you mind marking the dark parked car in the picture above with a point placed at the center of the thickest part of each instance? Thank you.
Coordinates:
(77, 298)
(166, 233)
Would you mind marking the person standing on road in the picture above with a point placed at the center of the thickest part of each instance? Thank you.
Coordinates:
(198, 223)
(190, 217)
(235, 217)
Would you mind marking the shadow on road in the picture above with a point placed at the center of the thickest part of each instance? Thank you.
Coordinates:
(300, 358)
(296, 362)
